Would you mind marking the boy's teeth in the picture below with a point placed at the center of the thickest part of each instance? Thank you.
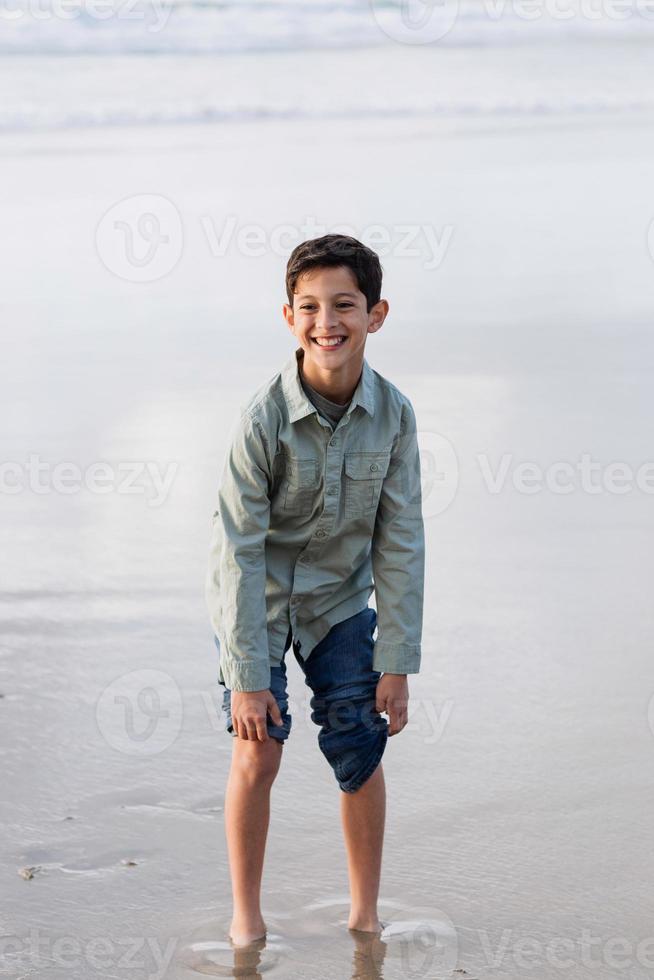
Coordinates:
(328, 343)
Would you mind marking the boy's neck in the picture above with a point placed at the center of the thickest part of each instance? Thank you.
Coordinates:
(338, 387)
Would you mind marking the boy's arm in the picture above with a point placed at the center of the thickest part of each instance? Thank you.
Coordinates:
(236, 585)
(398, 557)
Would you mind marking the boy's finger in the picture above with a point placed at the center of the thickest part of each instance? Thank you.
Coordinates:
(276, 715)
(262, 730)
(396, 720)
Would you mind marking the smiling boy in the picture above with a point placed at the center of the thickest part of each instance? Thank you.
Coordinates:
(319, 504)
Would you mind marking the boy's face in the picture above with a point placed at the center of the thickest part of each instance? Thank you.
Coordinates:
(329, 306)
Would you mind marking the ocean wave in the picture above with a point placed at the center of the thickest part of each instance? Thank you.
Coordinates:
(33, 118)
(111, 27)
(182, 26)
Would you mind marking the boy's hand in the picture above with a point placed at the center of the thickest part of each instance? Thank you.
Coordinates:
(249, 713)
(393, 698)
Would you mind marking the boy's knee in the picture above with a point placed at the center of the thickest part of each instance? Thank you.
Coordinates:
(257, 762)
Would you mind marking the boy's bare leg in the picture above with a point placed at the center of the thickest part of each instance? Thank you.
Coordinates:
(247, 813)
(363, 814)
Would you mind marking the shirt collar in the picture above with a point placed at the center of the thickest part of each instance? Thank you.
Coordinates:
(299, 405)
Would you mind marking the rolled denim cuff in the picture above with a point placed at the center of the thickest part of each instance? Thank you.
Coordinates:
(392, 658)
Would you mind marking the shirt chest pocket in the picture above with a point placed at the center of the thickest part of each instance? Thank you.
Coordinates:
(364, 475)
(300, 483)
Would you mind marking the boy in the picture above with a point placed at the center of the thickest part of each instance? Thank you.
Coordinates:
(319, 504)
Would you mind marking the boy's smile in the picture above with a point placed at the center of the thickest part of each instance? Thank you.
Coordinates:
(330, 320)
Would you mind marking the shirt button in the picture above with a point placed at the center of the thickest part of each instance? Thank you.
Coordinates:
(374, 467)
(331, 489)
(321, 534)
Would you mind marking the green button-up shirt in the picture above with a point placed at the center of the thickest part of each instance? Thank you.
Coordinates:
(310, 521)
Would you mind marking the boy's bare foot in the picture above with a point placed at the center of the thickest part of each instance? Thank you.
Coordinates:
(368, 924)
(244, 933)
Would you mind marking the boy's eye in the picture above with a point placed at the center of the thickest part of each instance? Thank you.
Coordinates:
(309, 306)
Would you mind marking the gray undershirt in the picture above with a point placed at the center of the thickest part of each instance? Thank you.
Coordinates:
(329, 410)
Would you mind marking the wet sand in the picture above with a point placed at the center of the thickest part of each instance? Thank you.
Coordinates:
(519, 795)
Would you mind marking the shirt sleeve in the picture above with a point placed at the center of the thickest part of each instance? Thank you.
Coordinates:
(236, 580)
(398, 556)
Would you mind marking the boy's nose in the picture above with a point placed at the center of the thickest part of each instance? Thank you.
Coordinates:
(327, 324)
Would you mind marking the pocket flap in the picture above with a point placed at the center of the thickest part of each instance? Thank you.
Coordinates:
(367, 466)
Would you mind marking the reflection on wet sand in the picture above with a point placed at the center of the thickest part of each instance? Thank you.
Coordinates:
(369, 955)
(251, 962)
(314, 941)
(223, 959)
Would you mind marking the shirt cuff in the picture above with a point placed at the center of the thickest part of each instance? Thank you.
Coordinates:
(244, 675)
(392, 658)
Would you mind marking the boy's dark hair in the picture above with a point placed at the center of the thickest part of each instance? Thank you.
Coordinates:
(337, 250)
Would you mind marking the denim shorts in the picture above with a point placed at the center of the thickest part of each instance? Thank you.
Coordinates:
(352, 734)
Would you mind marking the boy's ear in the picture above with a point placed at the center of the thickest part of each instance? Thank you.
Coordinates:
(288, 315)
(378, 314)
